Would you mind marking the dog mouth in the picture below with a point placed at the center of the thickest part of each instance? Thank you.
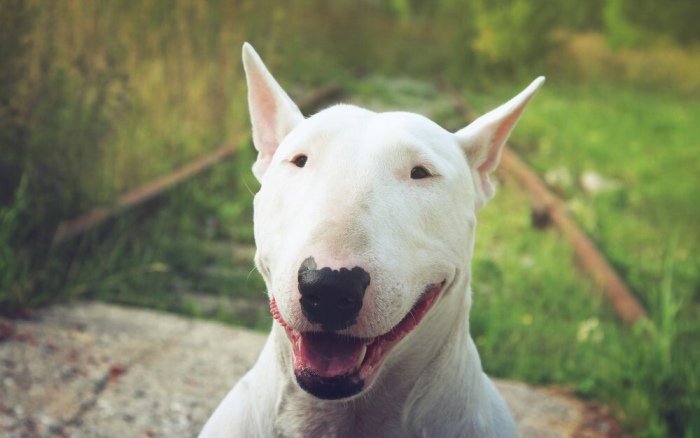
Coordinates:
(333, 366)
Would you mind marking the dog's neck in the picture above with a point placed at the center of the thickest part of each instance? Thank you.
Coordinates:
(418, 374)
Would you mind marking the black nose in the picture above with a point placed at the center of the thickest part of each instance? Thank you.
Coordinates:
(332, 298)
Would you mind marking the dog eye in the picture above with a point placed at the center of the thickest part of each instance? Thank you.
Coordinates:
(419, 172)
(300, 160)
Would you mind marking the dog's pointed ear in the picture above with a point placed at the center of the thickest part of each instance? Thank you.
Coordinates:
(272, 113)
(484, 138)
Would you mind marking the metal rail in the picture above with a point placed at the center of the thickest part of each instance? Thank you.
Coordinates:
(549, 206)
(93, 218)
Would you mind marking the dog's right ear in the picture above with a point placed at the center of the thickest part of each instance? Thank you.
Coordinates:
(272, 113)
(483, 139)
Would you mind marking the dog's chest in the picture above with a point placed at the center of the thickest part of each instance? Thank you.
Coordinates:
(297, 416)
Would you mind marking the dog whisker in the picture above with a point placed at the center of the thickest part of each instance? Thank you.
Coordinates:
(245, 183)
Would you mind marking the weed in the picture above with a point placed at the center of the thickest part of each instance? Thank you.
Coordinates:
(645, 223)
(99, 97)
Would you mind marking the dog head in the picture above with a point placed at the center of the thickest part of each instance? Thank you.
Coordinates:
(363, 223)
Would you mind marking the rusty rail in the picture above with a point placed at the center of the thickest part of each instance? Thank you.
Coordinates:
(548, 204)
(75, 227)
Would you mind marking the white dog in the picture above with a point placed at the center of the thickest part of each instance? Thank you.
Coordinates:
(364, 225)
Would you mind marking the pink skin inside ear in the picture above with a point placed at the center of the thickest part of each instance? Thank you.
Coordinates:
(264, 115)
(495, 146)
(495, 149)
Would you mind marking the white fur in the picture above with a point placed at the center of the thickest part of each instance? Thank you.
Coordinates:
(354, 204)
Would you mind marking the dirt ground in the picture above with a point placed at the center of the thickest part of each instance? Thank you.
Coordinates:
(101, 370)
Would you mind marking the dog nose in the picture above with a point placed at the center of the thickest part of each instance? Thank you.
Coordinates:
(332, 298)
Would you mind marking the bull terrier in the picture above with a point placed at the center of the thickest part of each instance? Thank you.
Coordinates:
(364, 226)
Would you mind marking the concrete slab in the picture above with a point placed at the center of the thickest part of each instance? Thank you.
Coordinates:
(101, 370)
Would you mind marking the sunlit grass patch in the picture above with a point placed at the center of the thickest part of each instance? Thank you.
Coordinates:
(646, 225)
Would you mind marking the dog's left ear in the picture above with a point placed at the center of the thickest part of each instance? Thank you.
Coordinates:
(272, 113)
(484, 138)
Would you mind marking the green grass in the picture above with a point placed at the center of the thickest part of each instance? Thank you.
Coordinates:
(645, 223)
(536, 319)
(179, 254)
(103, 97)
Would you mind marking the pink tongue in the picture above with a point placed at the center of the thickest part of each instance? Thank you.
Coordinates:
(328, 355)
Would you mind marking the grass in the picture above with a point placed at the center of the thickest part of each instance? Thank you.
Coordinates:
(179, 255)
(645, 222)
(642, 143)
(104, 97)
(535, 319)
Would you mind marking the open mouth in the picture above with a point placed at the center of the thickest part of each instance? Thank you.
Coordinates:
(333, 366)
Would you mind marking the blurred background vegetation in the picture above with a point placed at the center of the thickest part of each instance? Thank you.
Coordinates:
(97, 98)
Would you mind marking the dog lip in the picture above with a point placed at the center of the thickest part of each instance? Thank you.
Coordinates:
(329, 355)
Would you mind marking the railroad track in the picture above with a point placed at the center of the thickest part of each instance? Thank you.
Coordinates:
(548, 208)
(145, 193)
(546, 205)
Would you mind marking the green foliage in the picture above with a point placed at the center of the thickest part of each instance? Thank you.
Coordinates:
(99, 97)
(533, 320)
(15, 23)
(59, 116)
(645, 223)
(588, 58)
(641, 142)
(618, 28)
(14, 266)
(181, 256)
(675, 20)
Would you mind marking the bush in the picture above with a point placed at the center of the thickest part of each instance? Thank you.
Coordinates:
(587, 57)
(60, 113)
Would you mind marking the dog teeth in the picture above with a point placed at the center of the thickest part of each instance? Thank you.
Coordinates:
(361, 357)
